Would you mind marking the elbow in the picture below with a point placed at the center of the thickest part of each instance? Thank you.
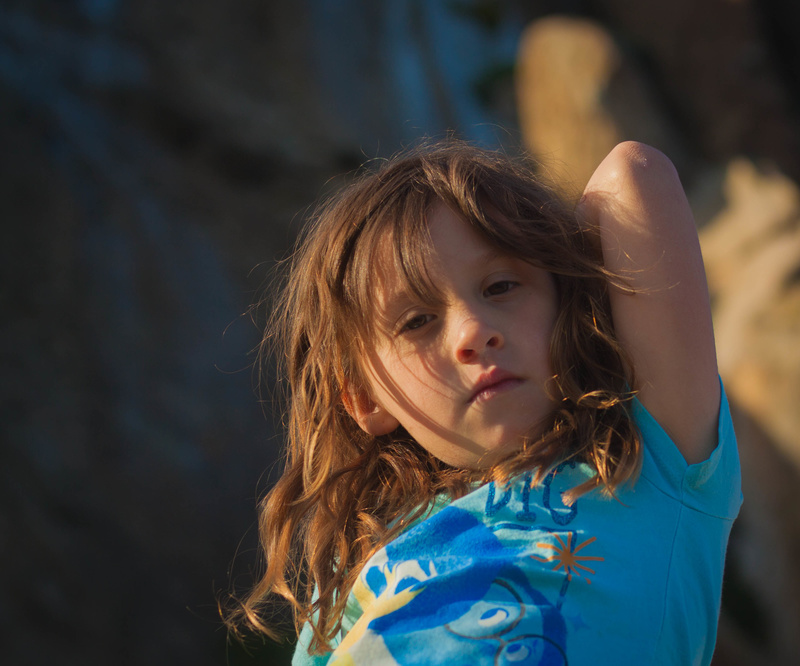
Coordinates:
(633, 170)
(632, 162)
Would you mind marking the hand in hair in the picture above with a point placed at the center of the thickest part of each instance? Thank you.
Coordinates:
(649, 237)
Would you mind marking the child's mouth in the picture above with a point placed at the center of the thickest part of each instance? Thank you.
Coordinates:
(492, 383)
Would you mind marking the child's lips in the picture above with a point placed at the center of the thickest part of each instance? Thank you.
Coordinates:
(493, 382)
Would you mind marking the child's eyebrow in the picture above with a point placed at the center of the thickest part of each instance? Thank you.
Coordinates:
(393, 304)
(492, 254)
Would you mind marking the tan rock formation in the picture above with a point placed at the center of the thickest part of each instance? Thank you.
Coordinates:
(752, 254)
(578, 96)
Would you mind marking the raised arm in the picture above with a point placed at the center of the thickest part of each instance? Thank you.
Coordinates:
(649, 237)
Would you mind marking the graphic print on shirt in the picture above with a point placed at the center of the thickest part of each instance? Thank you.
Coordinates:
(567, 557)
(455, 582)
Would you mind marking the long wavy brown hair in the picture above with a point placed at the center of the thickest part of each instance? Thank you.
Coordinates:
(343, 494)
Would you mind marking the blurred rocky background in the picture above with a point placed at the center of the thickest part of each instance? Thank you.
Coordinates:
(157, 157)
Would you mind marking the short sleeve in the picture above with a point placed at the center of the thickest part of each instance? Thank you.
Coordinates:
(712, 486)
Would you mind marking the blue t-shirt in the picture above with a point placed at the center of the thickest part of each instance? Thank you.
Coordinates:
(510, 575)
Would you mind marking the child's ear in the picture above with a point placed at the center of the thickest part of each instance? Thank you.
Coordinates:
(370, 416)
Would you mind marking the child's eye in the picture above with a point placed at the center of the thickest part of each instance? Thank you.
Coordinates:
(499, 287)
(416, 322)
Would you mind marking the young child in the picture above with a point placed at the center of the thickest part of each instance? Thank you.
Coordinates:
(507, 439)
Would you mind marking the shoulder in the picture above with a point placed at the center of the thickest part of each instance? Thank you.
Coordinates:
(663, 320)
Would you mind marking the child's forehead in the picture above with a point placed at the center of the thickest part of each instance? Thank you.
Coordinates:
(401, 273)
(399, 270)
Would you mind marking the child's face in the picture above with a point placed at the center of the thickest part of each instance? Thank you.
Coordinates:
(465, 378)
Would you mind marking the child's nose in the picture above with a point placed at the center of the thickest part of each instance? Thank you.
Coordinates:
(474, 338)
